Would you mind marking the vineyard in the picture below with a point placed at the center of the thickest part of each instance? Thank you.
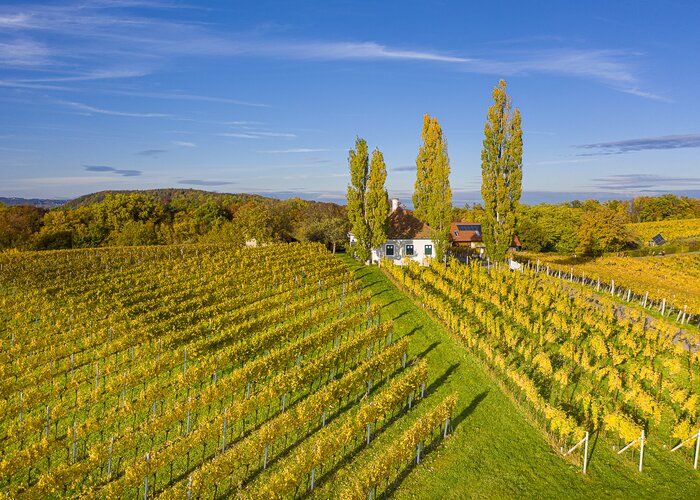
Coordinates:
(568, 356)
(675, 278)
(669, 229)
(202, 371)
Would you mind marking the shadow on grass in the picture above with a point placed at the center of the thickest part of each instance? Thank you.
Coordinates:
(441, 379)
(470, 409)
(399, 316)
(428, 349)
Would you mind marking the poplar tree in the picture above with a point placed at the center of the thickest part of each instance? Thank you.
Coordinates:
(501, 173)
(357, 190)
(377, 205)
(432, 195)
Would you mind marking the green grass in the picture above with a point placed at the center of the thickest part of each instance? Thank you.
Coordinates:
(494, 451)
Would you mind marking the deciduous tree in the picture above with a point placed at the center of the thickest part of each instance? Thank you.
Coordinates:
(357, 191)
(377, 209)
(432, 195)
(501, 173)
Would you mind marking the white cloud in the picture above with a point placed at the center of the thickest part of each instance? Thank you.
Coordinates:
(184, 144)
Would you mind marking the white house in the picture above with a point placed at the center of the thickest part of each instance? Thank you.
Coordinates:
(407, 237)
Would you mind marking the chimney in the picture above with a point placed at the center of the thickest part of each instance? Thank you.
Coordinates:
(394, 204)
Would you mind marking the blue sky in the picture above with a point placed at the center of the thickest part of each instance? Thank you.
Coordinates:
(268, 97)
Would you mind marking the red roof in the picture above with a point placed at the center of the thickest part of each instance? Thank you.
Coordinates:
(465, 232)
(470, 232)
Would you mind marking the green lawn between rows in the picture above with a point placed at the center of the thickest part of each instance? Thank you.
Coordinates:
(494, 452)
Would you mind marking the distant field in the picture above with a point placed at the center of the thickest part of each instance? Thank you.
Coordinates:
(201, 371)
(669, 229)
(673, 277)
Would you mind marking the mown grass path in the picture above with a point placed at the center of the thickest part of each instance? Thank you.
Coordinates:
(494, 452)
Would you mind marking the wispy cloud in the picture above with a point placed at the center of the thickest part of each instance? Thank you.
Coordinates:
(644, 144)
(184, 144)
(201, 182)
(644, 182)
(294, 150)
(404, 168)
(257, 135)
(117, 171)
(151, 152)
(20, 53)
(86, 108)
(116, 43)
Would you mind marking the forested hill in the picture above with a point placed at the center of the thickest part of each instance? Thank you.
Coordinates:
(165, 196)
(170, 216)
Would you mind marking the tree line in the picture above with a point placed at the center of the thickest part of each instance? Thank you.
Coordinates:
(170, 217)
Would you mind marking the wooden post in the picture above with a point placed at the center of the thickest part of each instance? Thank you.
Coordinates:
(641, 451)
(612, 287)
(663, 306)
(646, 296)
(585, 454)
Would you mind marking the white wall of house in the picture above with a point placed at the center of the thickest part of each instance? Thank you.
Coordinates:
(402, 249)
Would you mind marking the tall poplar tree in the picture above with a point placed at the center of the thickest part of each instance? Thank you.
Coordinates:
(368, 203)
(377, 205)
(501, 173)
(432, 195)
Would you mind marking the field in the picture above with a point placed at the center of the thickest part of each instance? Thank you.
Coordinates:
(205, 371)
(675, 278)
(284, 371)
(669, 229)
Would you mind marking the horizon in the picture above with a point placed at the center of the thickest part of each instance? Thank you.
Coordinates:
(268, 98)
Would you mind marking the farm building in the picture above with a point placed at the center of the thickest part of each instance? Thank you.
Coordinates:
(466, 239)
(410, 238)
(657, 240)
(407, 238)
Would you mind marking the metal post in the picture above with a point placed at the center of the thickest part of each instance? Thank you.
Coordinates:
(265, 457)
(223, 438)
(109, 462)
(48, 416)
(369, 430)
(418, 454)
(73, 457)
(145, 484)
(447, 424)
(697, 451)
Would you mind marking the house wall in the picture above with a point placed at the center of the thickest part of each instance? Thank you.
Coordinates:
(400, 251)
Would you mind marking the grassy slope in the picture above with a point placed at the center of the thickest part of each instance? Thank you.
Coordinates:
(494, 452)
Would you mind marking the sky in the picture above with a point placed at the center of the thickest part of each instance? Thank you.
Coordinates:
(268, 97)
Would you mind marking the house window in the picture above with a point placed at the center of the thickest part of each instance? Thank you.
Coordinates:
(428, 249)
(409, 250)
(390, 250)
